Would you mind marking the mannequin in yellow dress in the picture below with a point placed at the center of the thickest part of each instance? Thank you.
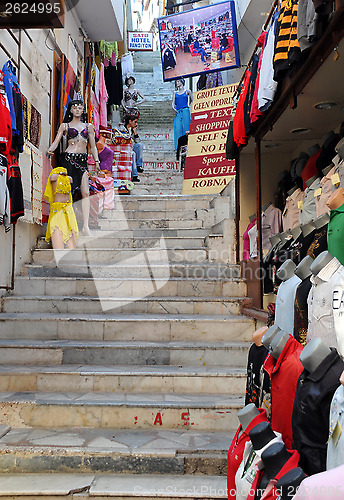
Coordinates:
(62, 227)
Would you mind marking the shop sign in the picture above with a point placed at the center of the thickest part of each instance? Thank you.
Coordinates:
(139, 40)
(207, 170)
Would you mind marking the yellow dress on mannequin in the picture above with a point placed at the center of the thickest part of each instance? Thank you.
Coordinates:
(61, 216)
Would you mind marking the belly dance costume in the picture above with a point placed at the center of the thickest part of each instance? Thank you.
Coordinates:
(182, 118)
(61, 216)
(75, 163)
(131, 96)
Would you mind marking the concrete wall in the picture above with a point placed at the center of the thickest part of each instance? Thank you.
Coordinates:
(36, 87)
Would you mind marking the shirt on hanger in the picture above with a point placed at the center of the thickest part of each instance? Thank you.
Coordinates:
(309, 209)
(311, 412)
(271, 224)
(320, 308)
(335, 447)
(290, 216)
(267, 84)
(284, 373)
(335, 234)
(284, 314)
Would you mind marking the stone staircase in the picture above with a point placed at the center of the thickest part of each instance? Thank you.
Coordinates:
(122, 363)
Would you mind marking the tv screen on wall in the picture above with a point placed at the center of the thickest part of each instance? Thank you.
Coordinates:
(199, 41)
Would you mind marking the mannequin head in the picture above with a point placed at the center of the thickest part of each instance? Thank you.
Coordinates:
(285, 236)
(274, 239)
(274, 458)
(326, 139)
(296, 231)
(269, 335)
(340, 148)
(292, 190)
(321, 261)
(314, 149)
(301, 161)
(326, 170)
(321, 221)
(179, 85)
(336, 199)
(258, 335)
(303, 270)
(307, 228)
(247, 414)
(313, 354)
(310, 181)
(286, 271)
(75, 110)
(266, 205)
(288, 484)
(261, 435)
(130, 80)
(252, 217)
(278, 343)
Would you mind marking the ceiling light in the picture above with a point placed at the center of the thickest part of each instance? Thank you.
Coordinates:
(300, 131)
(272, 145)
(325, 105)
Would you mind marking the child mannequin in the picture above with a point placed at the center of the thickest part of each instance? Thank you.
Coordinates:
(62, 227)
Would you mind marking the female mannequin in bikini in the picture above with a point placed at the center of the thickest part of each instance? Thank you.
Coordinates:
(131, 96)
(74, 159)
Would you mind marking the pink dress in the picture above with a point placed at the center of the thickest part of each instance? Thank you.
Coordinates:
(103, 97)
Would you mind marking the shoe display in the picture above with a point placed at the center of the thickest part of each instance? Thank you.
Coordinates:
(135, 179)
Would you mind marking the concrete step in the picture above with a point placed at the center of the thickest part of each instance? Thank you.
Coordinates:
(162, 203)
(85, 486)
(117, 241)
(142, 327)
(128, 270)
(180, 287)
(150, 379)
(121, 223)
(34, 352)
(92, 256)
(165, 214)
(118, 305)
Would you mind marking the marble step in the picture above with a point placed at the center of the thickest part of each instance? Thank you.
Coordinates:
(61, 352)
(117, 240)
(165, 214)
(180, 287)
(122, 223)
(121, 305)
(142, 327)
(128, 270)
(162, 203)
(115, 451)
(94, 256)
(150, 379)
(129, 486)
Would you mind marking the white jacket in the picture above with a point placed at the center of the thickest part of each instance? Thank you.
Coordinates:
(5, 207)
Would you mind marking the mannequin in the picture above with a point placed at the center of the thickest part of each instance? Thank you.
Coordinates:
(286, 271)
(269, 335)
(79, 135)
(307, 228)
(340, 149)
(310, 181)
(303, 270)
(289, 483)
(278, 343)
(258, 382)
(337, 199)
(105, 154)
(335, 447)
(285, 236)
(252, 217)
(266, 205)
(296, 231)
(258, 335)
(301, 161)
(292, 190)
(314, 149)
(326, 139)
(316, 386)
(247, 414)
(131, 96)
(320, 262)
(321, 221)
(261, 435)
(274, 458)
(181, 100)
(309, 208)
(326, 170)
(274, 240)
(246, 238)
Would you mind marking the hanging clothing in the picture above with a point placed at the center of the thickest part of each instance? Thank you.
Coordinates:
(15, 188)
(301, 310)
(327, 188)
(309, 209)
(321, 322)
(103, 97)
(5, 126)
(246, 241)
(127, 64)
(213, 80)
(258, 389)
(287, 51)
(76, 165)
(5, 207)
(107, 202)
(284, 315)
(284, 373)
(239, 131)
(267, 84)
(335, 447)
(255, 114)
(35, 127)
(290, 215)
(236, 451)
(335, 234)
(249, 95)
(271, 225)
(307, 24)
(114, 84)
(271, 493)
(311, 411)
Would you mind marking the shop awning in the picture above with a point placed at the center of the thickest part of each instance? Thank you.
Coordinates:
(101, 19)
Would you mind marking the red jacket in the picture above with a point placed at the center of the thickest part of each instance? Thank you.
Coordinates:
(5, 127)
(271, 493)
(236, 451)
(239, 132)
(284, 374)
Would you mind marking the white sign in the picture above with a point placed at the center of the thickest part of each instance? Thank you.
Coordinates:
(140, 40)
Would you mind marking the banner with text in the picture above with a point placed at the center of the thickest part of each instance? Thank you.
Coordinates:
(207, 170)
(139, 40)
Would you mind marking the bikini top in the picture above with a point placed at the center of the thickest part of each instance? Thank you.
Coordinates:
(63, 185)
(73, 133)
(131, 96)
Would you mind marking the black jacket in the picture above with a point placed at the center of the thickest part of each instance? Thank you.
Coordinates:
(310, 420)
